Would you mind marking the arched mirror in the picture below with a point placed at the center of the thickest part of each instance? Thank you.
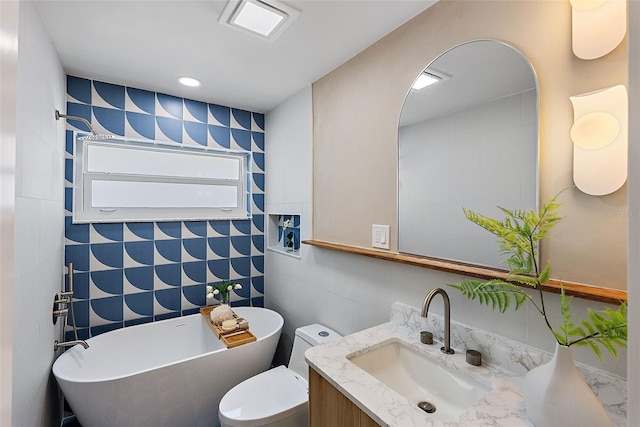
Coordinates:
(469, 140)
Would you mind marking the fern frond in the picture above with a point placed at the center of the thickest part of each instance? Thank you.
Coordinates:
(604, 329)
(545, 274)
(496, 293)
(565, 311)
(519, 236)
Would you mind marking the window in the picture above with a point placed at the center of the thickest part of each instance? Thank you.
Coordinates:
(141, 181)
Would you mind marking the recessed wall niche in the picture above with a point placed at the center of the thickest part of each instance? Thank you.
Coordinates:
(283, 234)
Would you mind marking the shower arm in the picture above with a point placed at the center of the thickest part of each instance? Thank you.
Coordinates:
(80, 119)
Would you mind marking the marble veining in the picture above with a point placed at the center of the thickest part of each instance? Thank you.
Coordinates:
(505, 363)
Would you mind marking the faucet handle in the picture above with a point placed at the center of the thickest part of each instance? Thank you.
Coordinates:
(426, 337)
(474, 357)
(59, 313)
(57, 310)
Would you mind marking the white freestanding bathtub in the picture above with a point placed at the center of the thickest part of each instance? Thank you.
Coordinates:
(168, 373)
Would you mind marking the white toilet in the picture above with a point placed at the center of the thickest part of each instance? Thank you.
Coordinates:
(277, 397)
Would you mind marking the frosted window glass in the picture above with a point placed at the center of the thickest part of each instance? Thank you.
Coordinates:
(132, 194)
(127, 160)
(126, 180)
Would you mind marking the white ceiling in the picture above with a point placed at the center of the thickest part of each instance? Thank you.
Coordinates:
(147, 44)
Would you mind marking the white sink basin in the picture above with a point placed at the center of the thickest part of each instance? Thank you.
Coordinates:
(420, 377)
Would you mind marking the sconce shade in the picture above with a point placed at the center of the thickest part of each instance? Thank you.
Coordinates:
(600, 141)
(595, 130)
(597, 26)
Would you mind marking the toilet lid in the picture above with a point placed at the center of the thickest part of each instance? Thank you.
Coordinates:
(267, 397)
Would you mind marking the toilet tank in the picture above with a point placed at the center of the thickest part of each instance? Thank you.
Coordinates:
(307, 337)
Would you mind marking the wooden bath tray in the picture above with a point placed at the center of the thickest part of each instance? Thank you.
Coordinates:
(232, 338)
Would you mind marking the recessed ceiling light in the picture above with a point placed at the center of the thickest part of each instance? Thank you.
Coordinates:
(425, 79)
(189, 81)
(266, 19)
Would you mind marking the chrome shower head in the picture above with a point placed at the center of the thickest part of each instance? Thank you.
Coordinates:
(95, 137)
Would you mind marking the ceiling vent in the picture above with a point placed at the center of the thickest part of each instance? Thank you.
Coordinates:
(266, 19)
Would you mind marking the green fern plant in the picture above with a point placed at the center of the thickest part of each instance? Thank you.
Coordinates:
(519, 236)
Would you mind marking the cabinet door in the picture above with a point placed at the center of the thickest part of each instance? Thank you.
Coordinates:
(328, 407)
(367, 421)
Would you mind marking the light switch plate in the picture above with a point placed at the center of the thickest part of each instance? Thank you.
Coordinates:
(380, 236)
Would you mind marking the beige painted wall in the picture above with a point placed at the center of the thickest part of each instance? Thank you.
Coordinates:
(356, 110)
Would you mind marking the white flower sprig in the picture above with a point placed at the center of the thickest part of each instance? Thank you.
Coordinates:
(287, 224)
(223, 289)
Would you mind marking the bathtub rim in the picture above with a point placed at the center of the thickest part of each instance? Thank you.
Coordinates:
(77, 348)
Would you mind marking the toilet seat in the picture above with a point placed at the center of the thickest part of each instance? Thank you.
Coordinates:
(266, 398)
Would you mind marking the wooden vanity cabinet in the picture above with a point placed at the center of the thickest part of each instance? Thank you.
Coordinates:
(328, 407)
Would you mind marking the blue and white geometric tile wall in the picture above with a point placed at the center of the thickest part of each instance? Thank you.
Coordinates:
(137, 272)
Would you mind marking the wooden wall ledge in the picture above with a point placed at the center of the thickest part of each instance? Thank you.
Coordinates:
(594, 293)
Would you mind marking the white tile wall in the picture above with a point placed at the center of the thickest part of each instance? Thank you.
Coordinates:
(39, 221)
(9, 23)
(349, 292)
(289, 159)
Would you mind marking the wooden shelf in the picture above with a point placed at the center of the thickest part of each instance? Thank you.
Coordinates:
(594, 293)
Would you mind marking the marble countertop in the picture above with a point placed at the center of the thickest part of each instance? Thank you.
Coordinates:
(501, 406)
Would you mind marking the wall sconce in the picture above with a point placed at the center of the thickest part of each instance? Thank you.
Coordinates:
(599, 135)
(597, 26)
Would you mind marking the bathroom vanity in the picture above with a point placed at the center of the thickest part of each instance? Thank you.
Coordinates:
(379, 375)
(329, 407)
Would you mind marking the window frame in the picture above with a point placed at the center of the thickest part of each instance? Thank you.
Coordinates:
(84, 212)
